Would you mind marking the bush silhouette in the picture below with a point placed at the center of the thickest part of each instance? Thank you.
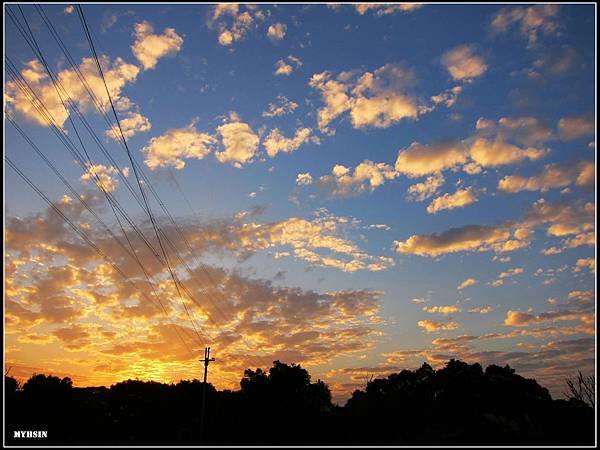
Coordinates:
(459, 403)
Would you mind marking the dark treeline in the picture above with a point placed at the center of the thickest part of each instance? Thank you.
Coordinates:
(458, 404)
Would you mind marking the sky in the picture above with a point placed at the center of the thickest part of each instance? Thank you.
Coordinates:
(356, 188)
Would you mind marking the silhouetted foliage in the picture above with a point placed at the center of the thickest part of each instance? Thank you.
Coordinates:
(458, 404)
(582, 388)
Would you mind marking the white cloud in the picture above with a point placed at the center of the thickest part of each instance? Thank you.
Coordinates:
(103, 175)
(275, 142)
(240, 142)
(366, 177)
(117, 74)
(232, 23)
(176, 145)
(304, 179)
(372, 99)
(422, 191)
(461, 198)
(420, 159)
(551, 176)
(132, 124)
(148, 48)
(281, 107)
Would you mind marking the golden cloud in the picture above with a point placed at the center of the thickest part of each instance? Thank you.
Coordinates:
(366, 177)
(373, 99)
(459, 199)
(582, 174)
(463, 64)
(239, 141)
(176, 145)
(432, 326)
(148, 47)
(275, 142)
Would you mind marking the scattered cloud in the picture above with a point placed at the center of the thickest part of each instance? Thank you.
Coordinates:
(281, 107)
(560, 219)
(466, 283)
(419, 159)
(445, 310)
(105, 176)
(117, 73)
(459, 199)
(233, 21)
(386, 9)
(148, 47)
(304, 179)
(585, 263)
(373, 99)
(481, 310)
(463, 64)
(343, 182)
(422, 191)
(506, 274)
(240, 142)
(132, 124)
(432, 326)
(582, 174)
(287, 66)
(575, 127)
(172, 148)
(275, 142)
(532, 21)
(277, 31)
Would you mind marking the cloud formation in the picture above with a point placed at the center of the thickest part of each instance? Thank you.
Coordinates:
(343, 182)
(233, 21)
(240, 142)
(172, 148)
(117, 73)
(373, 99)
(432, 326)
(386, 9)
(560, 219)
(575, 127)
(532, 21)
(148, 47)
(132, 124)
(287, 65)
(275, 142)
(459, 199)
(463, 64)
(582, 174)
(281, 107)
(277, 31)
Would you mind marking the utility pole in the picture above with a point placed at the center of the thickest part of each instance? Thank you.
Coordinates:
(207, 359)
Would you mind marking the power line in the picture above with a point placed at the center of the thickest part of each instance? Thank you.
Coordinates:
(82, 200)
(81, 233)
(100, 109)
(56, 83)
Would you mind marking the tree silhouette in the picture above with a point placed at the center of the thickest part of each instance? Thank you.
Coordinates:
(582, 389)
(458, 404)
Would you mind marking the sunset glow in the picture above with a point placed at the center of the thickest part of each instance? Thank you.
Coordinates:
(355, 188)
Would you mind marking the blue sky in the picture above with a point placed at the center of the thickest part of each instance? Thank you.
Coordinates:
(415, 147)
